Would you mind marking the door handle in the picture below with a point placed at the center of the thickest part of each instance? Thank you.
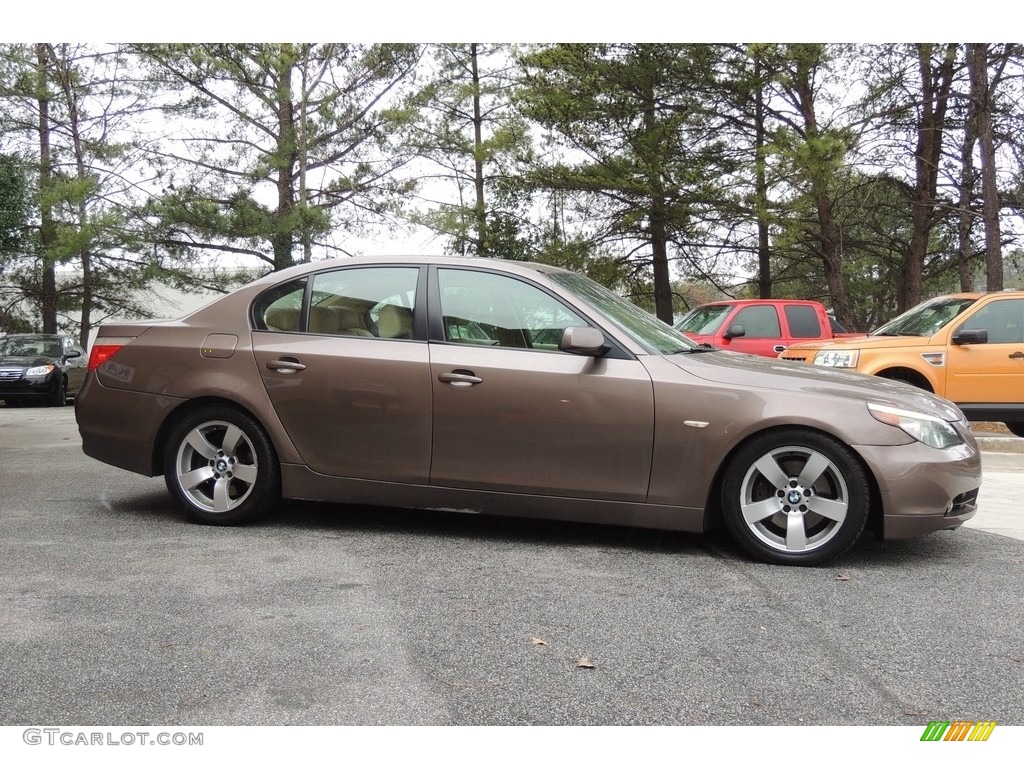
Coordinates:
(779, 348)
(1017, 355)
(460, 379)
(286, 365)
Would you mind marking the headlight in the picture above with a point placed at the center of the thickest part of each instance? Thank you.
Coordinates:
(40, 370)
(838, 358)
(926, 429)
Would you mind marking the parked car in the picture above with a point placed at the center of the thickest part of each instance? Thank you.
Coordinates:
(354, 381)
(760, 326)
(40, 368)
(966, 347)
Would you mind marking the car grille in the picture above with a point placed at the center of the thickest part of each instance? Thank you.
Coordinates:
(963, 503)
(10, 374)
(799, 356)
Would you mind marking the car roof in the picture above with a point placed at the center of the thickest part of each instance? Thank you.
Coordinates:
(742, 302)
(457, 261)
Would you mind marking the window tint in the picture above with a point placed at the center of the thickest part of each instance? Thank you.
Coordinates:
(376, 301)
(495, 310)
(803, 321)
(280, 308)
(759, 322)
(1002, 319)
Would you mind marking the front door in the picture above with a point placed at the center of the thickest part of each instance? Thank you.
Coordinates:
(513, 413)
(992, 372)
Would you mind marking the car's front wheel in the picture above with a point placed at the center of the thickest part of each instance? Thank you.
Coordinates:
(59, 395)
(795, 497)
(221, 467)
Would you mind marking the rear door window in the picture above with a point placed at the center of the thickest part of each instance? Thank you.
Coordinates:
(803, 321)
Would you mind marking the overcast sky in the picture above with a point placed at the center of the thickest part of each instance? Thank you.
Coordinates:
(522, 21)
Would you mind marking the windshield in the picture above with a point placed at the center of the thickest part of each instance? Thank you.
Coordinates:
(641, 326)
(29, 346)
(925, 319)
(704, 320)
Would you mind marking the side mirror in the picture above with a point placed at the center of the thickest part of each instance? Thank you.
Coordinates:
(735, 331)
(971, 336)
(72, 353)
(583, 341)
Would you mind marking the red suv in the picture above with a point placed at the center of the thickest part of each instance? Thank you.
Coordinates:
(759, 326)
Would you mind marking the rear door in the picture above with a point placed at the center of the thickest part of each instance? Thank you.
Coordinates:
(352, 391)
(803, 322)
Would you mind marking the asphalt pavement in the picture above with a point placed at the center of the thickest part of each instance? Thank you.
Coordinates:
(115, 611)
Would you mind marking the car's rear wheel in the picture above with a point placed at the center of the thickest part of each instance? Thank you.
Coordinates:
(220, 466)
(795, 497)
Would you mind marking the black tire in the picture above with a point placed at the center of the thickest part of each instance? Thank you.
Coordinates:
(1017, 427)
(221, 468)
(59, 396)
(795, 497)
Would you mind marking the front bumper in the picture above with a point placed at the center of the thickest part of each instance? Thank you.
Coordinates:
(923, 489)
(23, 388)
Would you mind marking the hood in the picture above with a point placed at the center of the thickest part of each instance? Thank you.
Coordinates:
(781, 375)
(868, 341)
(19, 361)
(705, 338)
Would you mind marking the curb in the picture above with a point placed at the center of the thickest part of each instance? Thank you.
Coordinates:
(989, 443)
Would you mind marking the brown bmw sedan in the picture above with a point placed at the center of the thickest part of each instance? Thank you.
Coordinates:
(514, 389)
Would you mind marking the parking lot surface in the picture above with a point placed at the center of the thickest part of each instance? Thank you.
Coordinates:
(114, 610)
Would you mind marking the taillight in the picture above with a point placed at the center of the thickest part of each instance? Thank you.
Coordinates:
(105, 348)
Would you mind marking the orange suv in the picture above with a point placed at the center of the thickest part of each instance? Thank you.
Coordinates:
(966, 347)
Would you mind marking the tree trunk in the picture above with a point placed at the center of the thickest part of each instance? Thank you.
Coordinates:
(981, 101)
(935, 86)
(764, 263)
(63, 74)
(286, 157)
(659, 249)
(307, 249)
(483, 244)
(47, 229)
(828, 236)
(965, 218)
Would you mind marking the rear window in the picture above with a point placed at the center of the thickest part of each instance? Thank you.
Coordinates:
(803, 321)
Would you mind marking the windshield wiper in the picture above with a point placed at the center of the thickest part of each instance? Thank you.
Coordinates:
(702, 347)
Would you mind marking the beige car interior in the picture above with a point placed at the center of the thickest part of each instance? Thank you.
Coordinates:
(394, 322)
